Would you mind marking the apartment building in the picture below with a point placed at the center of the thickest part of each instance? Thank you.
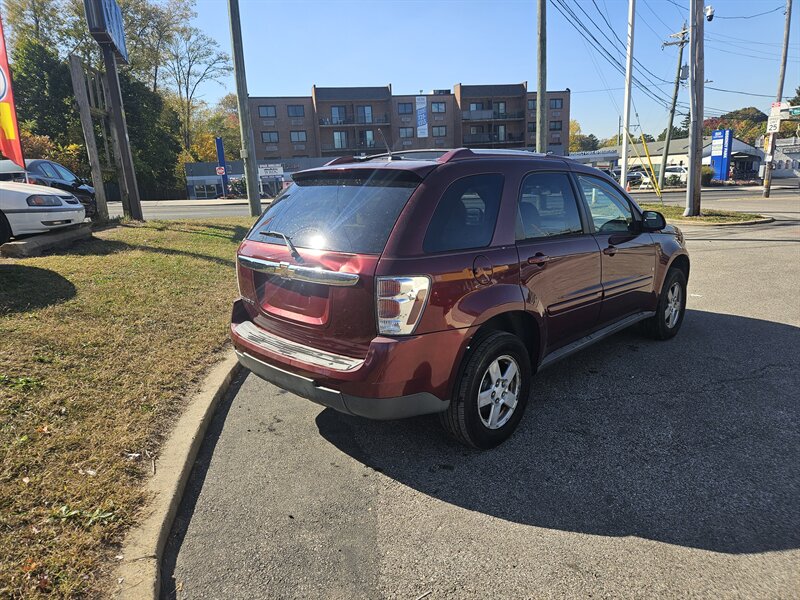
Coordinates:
(364, 120)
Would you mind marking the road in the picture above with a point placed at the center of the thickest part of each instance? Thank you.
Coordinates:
(641, 469)
(198, 209)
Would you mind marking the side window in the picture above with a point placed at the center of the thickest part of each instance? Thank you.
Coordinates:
(64, 173)
(610, 212)
(48, 170)
(466, 214)
(547, 207)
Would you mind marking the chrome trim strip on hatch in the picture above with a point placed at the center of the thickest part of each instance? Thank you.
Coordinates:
(286, 270)
(312, 356)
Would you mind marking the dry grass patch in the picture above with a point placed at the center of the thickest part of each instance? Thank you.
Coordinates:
(98, 348)
(675, 212)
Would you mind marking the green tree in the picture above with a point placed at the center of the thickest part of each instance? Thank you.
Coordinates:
(153, 129)
(39, 20)
(796, 100)
(193, 58)
(43, 92)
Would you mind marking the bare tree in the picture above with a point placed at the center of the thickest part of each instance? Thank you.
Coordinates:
(193, 58)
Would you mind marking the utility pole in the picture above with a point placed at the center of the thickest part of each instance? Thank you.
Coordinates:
(665, 154)
(696, 85)
(248, 152)
(541, 84)
(626, 116)
(778, 98)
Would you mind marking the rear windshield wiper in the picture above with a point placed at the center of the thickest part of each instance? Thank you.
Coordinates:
(288, 241)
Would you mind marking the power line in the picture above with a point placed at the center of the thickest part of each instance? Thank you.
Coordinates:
(774, 58)
(708, 87)
(753, 16)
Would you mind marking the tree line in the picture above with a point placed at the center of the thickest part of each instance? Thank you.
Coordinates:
(748, 124)
(169, 123)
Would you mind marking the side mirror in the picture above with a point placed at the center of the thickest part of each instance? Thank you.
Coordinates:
(653, 220)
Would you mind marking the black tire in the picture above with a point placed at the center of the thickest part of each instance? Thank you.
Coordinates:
(5, 229)
(660, 326)
(463, 419)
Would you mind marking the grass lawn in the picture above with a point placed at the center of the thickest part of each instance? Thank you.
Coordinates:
(672, 211)
(98, 348)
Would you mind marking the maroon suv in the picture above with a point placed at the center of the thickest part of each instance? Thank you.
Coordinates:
(440, 282)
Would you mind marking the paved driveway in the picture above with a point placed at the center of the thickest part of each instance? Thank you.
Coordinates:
(641, 469)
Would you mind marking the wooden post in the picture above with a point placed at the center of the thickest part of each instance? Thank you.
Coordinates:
(82, 99)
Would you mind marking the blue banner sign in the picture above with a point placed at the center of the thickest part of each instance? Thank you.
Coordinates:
(422, 116)
(104, 18)
(721, 153)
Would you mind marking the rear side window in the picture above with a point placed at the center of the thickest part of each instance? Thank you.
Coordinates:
(547, 207)
(342, 211)
(466, 214)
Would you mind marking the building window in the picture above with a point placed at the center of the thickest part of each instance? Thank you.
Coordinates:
(476, 105)
(531, 103)
(296, 110)
(474, 129)
(269, 137)
(406, 132)
(438, 107)
(340, 139)
(364, 114)
(367, 138)
(338, 114)
(500, 109)
(556, 103)
(439, 131)
(266, 112)
(555, 125)
(297, 136)
(531, 127)
(405, 108)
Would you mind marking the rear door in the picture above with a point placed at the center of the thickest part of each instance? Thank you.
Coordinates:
(322, 294)
(628, 254)
(559, 259)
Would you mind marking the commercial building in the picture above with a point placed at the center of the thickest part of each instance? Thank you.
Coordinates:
(355, 120)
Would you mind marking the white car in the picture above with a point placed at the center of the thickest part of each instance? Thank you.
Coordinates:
(26, 208)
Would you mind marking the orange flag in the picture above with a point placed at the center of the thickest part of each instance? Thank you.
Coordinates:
(10, 144)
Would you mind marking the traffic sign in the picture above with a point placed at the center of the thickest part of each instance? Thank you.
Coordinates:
(773, 125)
(272, 170)
(794, 111)
(777, 107)
(220, 170)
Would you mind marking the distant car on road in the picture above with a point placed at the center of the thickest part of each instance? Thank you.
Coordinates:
(52, 174)
(26, 208)
(400, 285)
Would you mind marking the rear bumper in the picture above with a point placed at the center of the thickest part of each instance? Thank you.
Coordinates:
(396, 378)
(398, 407)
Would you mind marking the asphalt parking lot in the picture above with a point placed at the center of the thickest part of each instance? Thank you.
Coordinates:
(641, 469)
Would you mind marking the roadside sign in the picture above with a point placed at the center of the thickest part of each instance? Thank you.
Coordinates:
(220, 170)
(794, 111)
(777, 107)
(274, 170)
(104, 18)
(773, 124)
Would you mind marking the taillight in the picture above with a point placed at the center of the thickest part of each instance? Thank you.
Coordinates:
(400, 303)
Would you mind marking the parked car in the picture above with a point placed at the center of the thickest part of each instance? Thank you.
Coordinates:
(634, 175)
(389, 288)
(26, 208)
(52, 174)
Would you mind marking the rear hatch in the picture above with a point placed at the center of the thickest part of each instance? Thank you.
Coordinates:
(307, 267)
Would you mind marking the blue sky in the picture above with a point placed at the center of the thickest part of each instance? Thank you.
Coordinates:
(427, 44)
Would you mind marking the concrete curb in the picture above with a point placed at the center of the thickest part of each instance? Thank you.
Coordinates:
(37, 244)
(139, 573)
(728, 224)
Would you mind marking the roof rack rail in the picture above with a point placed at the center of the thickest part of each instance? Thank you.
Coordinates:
(340, 160)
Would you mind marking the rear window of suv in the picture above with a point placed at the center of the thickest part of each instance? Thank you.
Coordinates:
(341, 211)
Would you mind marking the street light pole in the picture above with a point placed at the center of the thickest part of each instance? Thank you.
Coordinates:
(778, 98)
(245, 125)
(626, 116)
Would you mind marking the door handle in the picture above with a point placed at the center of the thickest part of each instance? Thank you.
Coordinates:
(538, 259)
(610, 251)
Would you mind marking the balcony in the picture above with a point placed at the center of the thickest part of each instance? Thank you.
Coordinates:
(493, 138)
(374, 120)
(491, 115)
(351, 147)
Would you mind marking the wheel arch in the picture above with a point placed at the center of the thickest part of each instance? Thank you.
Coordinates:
(681, 262)
(516, 322)
(4, 221)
